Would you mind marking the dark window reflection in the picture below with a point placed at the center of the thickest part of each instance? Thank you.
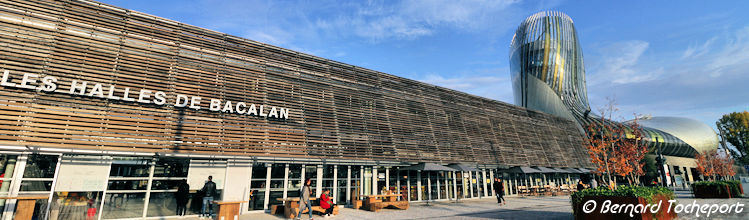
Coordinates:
(128, 184)
(40, 166)
(171, 167)
(130, 167)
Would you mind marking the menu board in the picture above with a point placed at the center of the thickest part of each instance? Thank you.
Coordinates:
(82, 174)
(200, 170)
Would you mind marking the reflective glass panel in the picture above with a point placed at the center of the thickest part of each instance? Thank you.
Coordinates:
(40, 166)
(123, 205)
(75, 205)
(257, 186)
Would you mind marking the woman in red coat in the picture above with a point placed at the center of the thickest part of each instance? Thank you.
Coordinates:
(326, 203)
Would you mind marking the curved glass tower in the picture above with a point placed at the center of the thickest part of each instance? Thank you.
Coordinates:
(548, 75)
(546, 66)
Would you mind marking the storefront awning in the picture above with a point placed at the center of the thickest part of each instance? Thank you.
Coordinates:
(584, 170)
(428, 167)
(545, 170)
(525, 170)
(561, 170)
(571, 170)
(462, 167)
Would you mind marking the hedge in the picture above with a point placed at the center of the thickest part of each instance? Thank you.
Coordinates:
(631, 191)
(717, 189)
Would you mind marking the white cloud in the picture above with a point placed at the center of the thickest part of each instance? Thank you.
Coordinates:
(733, 56)
(495, 86)
(380, 20)
(698, 51)
(463, 82)
(619, 63)
(701, 81)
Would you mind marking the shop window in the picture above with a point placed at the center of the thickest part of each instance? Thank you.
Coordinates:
(79, 188)
(327, 178)
(342, 179)
(124, 205)
(381, 181)
(413, 185)
(127, 187)
(257, 186)
(403, 190)
(442, 184)
(278, 171)
(393, 180)
(168, 174)
(7, 169)
(39, 173)
(310, 172)
(295, 180)
(171, 167)
(75, 205)
(424, 185)
(130, 167)
(355, 182)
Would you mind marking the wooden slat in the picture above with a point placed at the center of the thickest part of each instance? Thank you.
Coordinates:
(337, 110)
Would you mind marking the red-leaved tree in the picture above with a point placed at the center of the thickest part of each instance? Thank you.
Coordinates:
(714, 165)
(616, 148)
(633, 150)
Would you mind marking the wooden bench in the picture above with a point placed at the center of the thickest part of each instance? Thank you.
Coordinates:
(356, 204)
(375, 207)
(373, 204)
(315, 208)
(322, 210)
(291, 207)
(276, 209)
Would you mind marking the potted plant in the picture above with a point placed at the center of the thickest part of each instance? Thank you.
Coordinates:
(624, 196)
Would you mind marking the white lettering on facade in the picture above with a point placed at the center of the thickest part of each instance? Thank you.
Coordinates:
(74, 85)
(28, 78)
(97, 91)
(6, 79)
(215, 105)
(144, 95)
(160, 98)
(49, 83)
(181, 101)
(195, 103)
(253, 110)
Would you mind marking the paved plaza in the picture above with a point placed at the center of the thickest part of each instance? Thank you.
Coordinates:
(554, 207)
(557, 207)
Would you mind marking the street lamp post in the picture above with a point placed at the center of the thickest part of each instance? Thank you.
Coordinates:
(660, 162)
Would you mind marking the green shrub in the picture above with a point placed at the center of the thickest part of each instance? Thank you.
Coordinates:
(716, 189)
(634, 191)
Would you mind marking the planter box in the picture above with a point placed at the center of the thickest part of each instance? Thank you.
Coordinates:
(623, 200)
(717, 191)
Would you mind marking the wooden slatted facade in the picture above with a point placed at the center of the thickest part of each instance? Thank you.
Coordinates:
(336, 110)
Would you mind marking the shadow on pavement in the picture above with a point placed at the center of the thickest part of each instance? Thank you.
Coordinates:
(517, 214)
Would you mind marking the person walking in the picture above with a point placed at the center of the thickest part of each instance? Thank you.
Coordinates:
(326, 203)
(182, 195)
(580, 185)
(593, 183)
(499, 191)
(209, 191)
(304, 202)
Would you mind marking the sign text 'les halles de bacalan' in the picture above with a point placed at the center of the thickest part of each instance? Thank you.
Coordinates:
(48, 83)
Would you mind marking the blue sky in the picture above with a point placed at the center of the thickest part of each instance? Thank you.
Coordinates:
(663, 58)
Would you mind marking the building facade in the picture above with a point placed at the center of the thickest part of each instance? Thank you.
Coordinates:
(548, 75)
(107, 109)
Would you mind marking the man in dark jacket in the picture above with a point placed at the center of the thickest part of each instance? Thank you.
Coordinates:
(209, 191)
(499, 191)
(182, 195)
